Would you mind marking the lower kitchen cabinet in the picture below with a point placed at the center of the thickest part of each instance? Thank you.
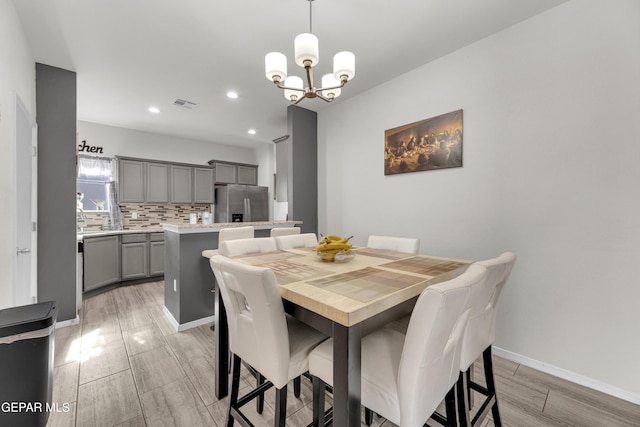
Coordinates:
(101, 262)
(135, 256)
(119, 258)
(156, 254)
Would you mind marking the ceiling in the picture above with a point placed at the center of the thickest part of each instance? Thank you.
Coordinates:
(131, 55)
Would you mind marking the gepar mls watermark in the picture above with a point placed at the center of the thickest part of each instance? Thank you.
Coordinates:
(35, 407)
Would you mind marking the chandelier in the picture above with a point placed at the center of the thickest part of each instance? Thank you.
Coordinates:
(306, 56)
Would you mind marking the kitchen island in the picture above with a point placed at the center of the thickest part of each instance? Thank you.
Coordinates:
(188, 279)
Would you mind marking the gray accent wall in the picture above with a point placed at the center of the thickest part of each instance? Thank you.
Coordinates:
(302, 178)
(57, 246)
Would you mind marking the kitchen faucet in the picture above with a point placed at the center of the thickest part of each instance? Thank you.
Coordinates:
(80, 216)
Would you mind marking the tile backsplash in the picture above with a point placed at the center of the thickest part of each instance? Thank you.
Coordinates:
(149, 215)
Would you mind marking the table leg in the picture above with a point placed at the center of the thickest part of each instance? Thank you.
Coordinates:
(346, 375)
(222, 346)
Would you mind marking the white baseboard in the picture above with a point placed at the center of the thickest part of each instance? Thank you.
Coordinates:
(184, 326)
(568, 375)
(69, 322)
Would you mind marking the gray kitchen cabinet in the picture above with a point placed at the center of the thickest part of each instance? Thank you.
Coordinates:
(101, 261)
(234, 173)
(119, 258)
(156, 254)
(247, 175)
(203, 185)
(149, 181)
(131, 181)
(181, 184)
(135, 256)
(157, 183)
(225, 173)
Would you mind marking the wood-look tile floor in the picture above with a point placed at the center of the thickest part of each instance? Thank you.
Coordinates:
(124, 365)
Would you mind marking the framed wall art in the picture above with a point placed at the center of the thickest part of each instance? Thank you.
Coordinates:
(434, 143)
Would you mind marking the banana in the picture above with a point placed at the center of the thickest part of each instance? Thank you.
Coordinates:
(332, 238)
(334, 246)
(331, 244)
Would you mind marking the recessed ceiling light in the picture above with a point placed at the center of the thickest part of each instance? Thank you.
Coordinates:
(251, 131)
(154, 110)
(232, 95)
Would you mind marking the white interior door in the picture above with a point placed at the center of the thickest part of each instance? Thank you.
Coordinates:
(25, 283)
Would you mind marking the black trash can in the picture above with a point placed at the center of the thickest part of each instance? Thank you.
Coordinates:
(26, 364)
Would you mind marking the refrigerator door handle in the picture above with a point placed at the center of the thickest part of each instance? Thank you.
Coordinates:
(247, 209)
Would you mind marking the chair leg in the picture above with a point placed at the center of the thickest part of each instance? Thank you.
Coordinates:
(451, 408)
(260, 399)
(296, 387)
(470, 395)
(491, 385)
(368, 416)
(235, 388)
(463, 392)
(281, 407)
(318, 402)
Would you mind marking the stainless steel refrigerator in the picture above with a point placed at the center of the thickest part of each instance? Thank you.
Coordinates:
(241, 203)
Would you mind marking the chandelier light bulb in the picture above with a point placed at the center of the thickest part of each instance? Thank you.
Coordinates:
(306, 49)
(344, 64)
(328, 80)
(293, 82)
(275, 65)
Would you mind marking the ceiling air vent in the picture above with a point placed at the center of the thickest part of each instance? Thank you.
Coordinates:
(184, 103)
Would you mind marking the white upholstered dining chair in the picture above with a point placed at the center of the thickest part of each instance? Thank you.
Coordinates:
(284, 231)
(231, 233)
(276, 345)
(305, 240)
(398, 244)
(406, 376)
(409, 245)
(480, 335)
(238, 247)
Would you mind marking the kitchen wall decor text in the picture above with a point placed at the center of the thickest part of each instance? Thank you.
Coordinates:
(89, 148)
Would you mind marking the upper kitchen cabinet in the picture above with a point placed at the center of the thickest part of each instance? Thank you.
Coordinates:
(131, 181)
(248, 175)
(203, 185)
(225, 173)
(150, 181)
(157, 185)
(234, 173)
(181, 184)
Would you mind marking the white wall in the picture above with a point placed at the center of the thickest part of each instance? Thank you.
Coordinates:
(17, 76)
(551, 172)
(118, 141)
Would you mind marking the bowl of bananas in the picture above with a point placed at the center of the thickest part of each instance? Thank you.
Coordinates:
(333, 248)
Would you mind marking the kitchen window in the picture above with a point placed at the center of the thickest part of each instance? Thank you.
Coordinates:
(95, 180)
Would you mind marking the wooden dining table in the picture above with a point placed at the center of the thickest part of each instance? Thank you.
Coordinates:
(344, 300)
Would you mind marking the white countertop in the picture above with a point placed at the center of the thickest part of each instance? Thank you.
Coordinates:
(102, 233)
(182, 228)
